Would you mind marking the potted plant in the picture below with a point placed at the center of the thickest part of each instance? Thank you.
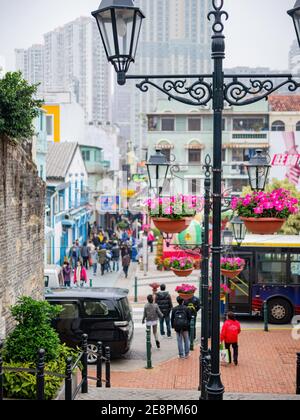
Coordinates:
(159, 263)
(183, 266)
(173, 214)
(225, 291)
(155, 287)
(186, 291)
(265, 213)
(167, 264)
(232, 267)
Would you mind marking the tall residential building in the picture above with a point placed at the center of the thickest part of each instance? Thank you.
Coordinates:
(31, 63)
(294, 58)
(170, 41)
(76, 61)
(71, 59)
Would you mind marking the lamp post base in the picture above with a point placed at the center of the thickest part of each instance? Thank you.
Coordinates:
(215, 388)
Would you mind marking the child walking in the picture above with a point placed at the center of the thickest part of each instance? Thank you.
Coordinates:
(230, 335)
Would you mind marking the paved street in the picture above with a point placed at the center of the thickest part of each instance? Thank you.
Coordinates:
(267, 360)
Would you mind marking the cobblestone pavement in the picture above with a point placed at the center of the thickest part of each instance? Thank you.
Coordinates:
(122, 394)
(267, 365)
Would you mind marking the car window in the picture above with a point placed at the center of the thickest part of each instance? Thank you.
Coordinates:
(101, 308)
(70, 310)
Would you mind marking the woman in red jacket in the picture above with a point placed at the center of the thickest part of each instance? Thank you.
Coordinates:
(80, 275)
(230, 333)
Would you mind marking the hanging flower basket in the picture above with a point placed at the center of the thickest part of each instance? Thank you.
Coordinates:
(186, 291)
(231, 274)
(232, 267)
(182, 267)
(182, 273)
(174, 214)
(263, 226)
(265, 213)
(171, 225)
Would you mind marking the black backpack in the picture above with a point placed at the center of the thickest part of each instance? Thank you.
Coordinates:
(181, 321)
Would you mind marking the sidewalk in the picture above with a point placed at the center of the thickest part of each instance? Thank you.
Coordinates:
(267, 366)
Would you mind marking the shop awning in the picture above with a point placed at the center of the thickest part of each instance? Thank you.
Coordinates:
(246, 146)
(194, 146)
(164, 146)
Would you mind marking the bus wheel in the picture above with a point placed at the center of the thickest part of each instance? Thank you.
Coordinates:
(280, 312)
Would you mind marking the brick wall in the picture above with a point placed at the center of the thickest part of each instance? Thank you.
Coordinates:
(22, 212)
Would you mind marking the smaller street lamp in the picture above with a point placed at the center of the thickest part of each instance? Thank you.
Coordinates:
(258, 170)
(158, 168)
(227, 238)
(239, 230)
(119, 23)
(295, 14)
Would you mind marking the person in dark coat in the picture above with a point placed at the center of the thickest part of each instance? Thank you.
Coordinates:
(164, 302)
(116, 256)
(180, 320)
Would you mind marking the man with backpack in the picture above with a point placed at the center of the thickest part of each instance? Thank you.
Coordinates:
(180, 321)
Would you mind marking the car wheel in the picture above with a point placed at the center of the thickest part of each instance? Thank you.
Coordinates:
(280, 312)
(92, 354)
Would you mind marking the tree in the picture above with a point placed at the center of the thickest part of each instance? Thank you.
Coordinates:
(292, 225)
(18, 106)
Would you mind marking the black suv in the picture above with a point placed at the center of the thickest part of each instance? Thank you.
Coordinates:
(104, 314)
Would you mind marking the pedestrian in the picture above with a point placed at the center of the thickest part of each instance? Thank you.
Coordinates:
(67, 274)
(151, 239)
(126, 264)
(102, 259)
(80, 275)
(151, 315)
(74, 255)
(194, 306)
(96, 241)
(116, 256)
(230, 335)
(164, 301)
(85, 255)
(180, 320)
(94, 260)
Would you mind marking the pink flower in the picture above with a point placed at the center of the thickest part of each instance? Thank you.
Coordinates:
(258, 210)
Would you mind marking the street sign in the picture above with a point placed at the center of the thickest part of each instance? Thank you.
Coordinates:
(108, 204)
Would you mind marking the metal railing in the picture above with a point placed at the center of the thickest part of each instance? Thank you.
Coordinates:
(81, 363)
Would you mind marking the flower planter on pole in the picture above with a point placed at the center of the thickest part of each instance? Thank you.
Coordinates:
(182, 273)
(264, 225)
(171, 225)
(231, 274)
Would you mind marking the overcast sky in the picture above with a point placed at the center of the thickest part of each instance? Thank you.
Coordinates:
(259, 32)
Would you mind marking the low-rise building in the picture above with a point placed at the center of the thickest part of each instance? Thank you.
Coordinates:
(68, 206)
(185, 135)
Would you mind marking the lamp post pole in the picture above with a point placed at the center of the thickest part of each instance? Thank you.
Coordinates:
(119, 22)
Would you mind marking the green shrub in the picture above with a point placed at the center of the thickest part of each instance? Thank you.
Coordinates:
(33, 331)
(22, 385)
(18, 107)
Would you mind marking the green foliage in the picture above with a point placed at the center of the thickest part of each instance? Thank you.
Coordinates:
(123, 225)
(18, 107)
(292, 225)
(33, 331)
(22, 385)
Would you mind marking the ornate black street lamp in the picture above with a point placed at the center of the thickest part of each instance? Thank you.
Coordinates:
(295, 14)
(239, 230)
(197, 90)
(258, 170)
(227, 238)
(158, 168)
(119, 23)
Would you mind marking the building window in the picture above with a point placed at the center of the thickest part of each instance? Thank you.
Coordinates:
(86, 155)
(194, 186)
(61, 202)
(249, 124)
(278, 126)
(298, 126)
(223, 155)
(194, 155)
(237, 185)
(98, 156)
(152, 123)
(242, 155)
(49, 125)
(168, 124)
(194, 124)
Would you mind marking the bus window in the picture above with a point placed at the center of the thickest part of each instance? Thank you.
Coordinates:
(295, 268)
(272, 268)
